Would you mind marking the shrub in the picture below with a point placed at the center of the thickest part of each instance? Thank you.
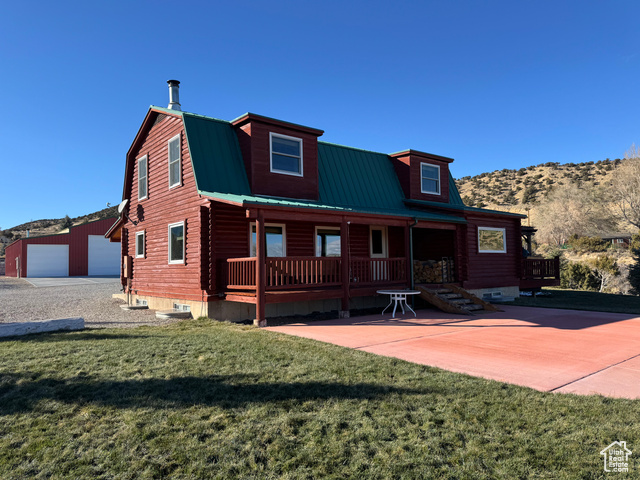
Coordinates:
(578, 276)
(634, 270)
(587, 244)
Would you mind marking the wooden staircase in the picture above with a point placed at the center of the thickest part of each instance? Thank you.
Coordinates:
(454, 299)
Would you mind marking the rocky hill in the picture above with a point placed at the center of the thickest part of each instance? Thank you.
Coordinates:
(515, 190)
(56, 225)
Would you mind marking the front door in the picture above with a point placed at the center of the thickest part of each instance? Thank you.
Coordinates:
(379, 250)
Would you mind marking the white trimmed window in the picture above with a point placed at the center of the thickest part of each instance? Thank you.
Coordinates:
(430, 178)
(143, 183)
(327, 242)
(176, 242)
(140, 244)
(275, 240)
(286, 154)
(174, 162)
(492, 240)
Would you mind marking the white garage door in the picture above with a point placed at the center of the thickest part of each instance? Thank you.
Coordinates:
(104, 256)
(47, 260)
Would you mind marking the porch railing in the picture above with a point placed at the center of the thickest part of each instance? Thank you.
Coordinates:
(286, 272)
(241, 273)
(291, 272)
(540, 268)
(371, 271)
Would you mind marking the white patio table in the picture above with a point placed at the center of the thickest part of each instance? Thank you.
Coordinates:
(398, 297)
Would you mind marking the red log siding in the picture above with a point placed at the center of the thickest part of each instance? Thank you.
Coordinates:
(301, 239)
(462, 255)
(78, 242)
(487, 270)
(359, 241)
(153, 275)
(396, 242)
(403, 171)
(254, 144)
(407, 167)
(230, 238)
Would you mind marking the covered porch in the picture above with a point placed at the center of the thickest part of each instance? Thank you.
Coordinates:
(355, 256)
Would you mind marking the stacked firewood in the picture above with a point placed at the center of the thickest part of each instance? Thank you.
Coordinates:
(431, 271)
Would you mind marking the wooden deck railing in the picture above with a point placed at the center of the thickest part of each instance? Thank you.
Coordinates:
(241, 273)
(378, 271)
(286, 272)
(539, 268)
(289, 272)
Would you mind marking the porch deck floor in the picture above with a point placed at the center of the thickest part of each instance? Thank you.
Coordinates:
(550, 350)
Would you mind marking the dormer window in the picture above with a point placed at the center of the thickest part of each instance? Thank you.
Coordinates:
(430, 178)
(286, 154)
(174, 162)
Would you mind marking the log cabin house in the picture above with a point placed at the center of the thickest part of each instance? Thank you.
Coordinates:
(257, 217)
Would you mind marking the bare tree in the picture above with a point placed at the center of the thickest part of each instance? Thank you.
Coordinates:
(625, 187)
(572, 210)
(605, 268)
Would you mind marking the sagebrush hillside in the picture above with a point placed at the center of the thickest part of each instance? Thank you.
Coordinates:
(56, 225)
(510, 188)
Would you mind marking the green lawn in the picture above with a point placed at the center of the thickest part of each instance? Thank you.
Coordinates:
(581, 300)
(212, 400)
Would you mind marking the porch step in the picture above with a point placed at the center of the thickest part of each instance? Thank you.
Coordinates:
(449, 295)
(454, 299)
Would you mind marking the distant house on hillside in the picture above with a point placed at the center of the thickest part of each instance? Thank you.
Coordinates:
(622, 240)
(257, 217)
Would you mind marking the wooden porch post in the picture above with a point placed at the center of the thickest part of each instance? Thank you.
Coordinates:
(408, 244)
(344, 266)
(261, 277)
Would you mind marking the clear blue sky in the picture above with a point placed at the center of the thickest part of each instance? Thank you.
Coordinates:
(493, 84)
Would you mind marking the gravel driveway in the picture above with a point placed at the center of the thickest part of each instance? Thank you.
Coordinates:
(22, 302)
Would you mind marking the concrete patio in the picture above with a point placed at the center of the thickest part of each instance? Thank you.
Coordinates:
(551, 350)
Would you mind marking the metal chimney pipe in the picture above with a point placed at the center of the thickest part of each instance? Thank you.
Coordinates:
(174, 102)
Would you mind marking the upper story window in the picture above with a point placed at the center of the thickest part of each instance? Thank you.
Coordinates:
(176, 243)
(491, 240)
(143, 184)
(286, 154)
(430, 178)
(140, 244)
(174, 162)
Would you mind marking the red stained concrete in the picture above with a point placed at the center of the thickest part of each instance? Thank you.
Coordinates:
(547, 349)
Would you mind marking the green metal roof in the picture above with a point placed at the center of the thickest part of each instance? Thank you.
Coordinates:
(357, 178)
(349, 179)
(215, 153)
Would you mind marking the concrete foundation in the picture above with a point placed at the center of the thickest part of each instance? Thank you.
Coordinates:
(506, 291)
(237, 312)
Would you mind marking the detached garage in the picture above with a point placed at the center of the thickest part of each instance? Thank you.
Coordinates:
(48, 260)
(82, 252)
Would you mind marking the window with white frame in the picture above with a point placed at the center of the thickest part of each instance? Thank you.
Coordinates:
(174, 162)
(492, 240)
(327, 242)
(143, 184)
(140, 244)
(286, 154)
(275, 240)
(176, 242)
(430, 178)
